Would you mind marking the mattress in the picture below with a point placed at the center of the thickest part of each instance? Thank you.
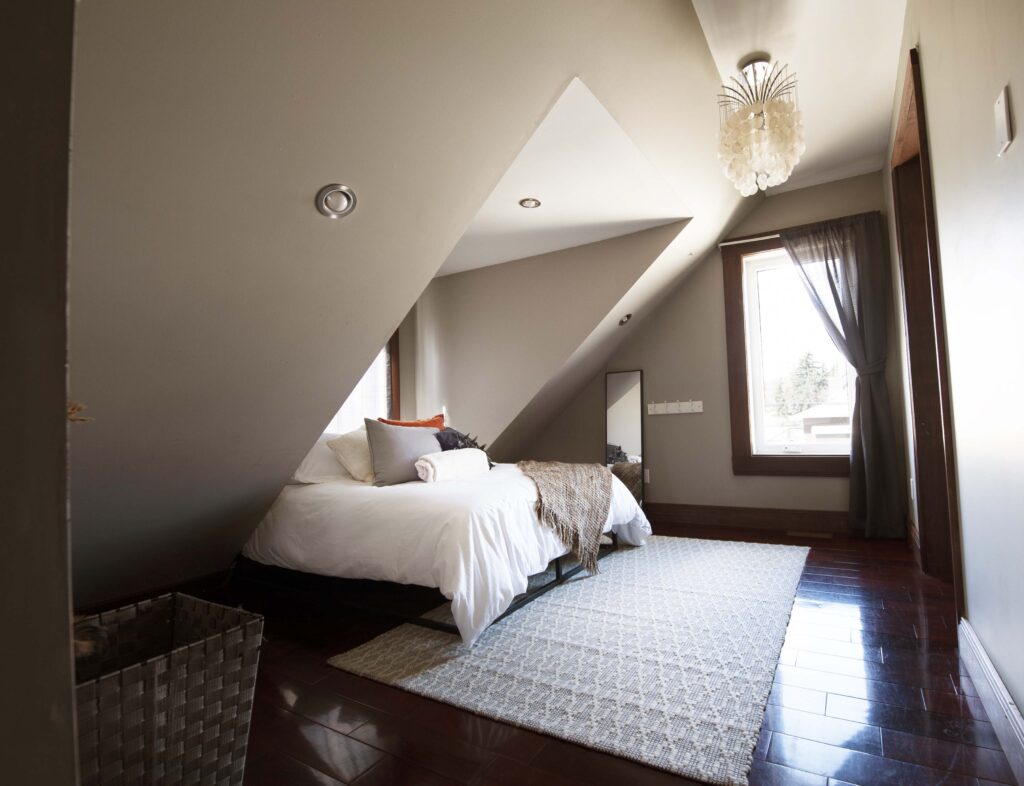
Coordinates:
(476, 540)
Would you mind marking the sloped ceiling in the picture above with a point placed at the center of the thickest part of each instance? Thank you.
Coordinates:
(217, 321)
(592, 181)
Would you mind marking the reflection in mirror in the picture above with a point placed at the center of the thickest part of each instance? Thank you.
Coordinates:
(624, 401)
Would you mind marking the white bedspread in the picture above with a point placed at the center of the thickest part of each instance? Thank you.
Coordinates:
(477, 540)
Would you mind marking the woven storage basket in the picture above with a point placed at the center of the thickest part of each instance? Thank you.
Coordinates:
(167, 697)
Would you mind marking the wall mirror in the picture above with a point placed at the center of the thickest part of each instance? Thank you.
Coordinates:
(624, 428)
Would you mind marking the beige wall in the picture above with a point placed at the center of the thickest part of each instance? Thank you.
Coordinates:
(817, 203)
(37, 721)
(488, 339)
(217, 321)
(681, 349)
(969, 51)
(574, 434)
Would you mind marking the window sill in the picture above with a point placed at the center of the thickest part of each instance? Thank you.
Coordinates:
(800, 466)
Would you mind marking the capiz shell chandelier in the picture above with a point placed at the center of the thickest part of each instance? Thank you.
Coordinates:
(760, 139)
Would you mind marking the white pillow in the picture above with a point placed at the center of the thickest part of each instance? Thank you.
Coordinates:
(353, 451)
(320, 464)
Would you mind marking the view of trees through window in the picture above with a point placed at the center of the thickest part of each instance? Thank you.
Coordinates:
(801, 387)
(806, 385)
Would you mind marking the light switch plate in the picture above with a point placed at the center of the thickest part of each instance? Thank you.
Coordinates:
(1004, 121)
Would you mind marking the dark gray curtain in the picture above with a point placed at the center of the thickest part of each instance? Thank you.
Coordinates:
(852, 298)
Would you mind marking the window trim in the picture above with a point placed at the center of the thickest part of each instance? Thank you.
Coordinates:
(394, 390)
(744, 460)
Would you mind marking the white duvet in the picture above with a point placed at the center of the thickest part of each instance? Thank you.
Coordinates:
(476, 540)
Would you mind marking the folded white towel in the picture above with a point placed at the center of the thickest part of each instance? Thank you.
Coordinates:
(452, 465)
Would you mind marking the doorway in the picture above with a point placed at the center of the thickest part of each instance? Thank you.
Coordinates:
(934, 533)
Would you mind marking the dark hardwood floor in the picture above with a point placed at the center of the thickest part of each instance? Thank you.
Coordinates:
(869, 690)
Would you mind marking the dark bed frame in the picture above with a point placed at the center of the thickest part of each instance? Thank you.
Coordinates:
(351, 593)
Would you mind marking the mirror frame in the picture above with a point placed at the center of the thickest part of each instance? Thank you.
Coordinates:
(643, 427)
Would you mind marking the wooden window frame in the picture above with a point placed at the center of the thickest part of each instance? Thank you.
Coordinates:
(395, 397)
(744, 460)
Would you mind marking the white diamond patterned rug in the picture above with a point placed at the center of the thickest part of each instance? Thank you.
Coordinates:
(666, 657)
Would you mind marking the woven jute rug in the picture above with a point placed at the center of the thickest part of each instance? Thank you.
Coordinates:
(666, 657)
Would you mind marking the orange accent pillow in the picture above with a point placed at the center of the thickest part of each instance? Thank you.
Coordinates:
(435, 422)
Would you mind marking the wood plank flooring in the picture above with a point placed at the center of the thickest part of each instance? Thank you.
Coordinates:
(869, 690)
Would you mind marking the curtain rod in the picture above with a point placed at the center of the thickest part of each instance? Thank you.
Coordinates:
(775, 235)
(748, 240)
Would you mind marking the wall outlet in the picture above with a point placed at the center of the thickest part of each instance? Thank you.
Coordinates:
(647, 476)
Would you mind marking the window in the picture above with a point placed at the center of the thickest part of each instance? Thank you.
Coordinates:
(374, 396)
(801, 387)
(791, 391)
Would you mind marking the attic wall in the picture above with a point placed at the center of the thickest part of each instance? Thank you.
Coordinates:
(681, 349)
(217, 321)
(968, 53)
(521, 436)
(489, 338)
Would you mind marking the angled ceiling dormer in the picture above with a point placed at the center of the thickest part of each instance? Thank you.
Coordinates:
(550, 275)
(592, 181)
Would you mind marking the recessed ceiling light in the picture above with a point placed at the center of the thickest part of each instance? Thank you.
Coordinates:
(625, 319)
(529, 202)
(335, 200)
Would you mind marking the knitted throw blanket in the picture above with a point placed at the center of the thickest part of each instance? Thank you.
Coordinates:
(573, 500)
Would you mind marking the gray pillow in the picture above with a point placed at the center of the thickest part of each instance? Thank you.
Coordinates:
(394, 450)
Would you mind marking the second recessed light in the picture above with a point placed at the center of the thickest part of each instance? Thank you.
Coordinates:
(529, 202)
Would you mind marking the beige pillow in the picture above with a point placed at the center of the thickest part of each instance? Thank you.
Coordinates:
(353, 451)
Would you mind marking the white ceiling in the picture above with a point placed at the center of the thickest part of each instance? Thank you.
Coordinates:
(592, 181)
(845, 55)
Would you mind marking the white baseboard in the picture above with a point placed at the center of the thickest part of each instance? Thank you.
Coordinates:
(1002, 710)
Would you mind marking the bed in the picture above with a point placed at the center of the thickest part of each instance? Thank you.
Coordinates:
(476, 540)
